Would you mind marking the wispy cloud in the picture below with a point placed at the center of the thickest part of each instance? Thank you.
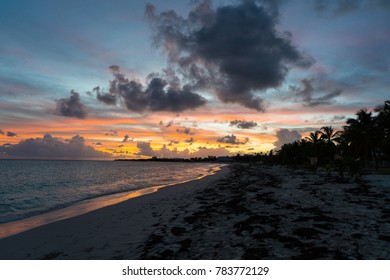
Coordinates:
(342, 7)
(306, 93)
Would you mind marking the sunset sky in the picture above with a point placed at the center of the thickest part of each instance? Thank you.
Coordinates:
(121, 78)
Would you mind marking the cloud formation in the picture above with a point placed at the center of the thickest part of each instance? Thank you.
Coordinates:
(243, 124)
(170, 123)
(105, 97)
(9, 133)
(234, 50)
(190, 140)
(157, 95)
(341, 7)
(127, 138)
(71, 106)
(112, 133)
(53, 148)
(285, 136)
(338, 118)
(185, 130)
(145, 149)
(232, 139)
(306, 93)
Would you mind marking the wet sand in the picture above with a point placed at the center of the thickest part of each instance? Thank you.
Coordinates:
(243, 212)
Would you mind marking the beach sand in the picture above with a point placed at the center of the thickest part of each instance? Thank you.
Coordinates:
(245, 211)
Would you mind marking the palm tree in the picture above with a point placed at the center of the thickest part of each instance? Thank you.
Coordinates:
(384, 109)
(314, 140)
(315, 137)
(383, 123)
(329, 135)
(383, 117)
(362, 135)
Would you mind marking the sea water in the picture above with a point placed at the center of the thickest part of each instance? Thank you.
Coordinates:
(32, 187)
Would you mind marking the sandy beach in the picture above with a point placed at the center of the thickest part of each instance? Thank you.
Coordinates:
(245, 211)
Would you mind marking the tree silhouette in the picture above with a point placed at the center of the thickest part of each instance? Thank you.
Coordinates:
(365, 139)
(329, 135)
(363, 135)
(383, 124)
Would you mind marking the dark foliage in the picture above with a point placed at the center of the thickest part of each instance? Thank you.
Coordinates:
(364, 141)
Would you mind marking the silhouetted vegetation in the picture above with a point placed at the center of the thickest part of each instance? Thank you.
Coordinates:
(363, 142)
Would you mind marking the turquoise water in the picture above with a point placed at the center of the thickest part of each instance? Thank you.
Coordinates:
(32, 187)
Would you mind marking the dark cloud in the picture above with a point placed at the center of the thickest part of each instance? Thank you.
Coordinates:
(285, 136)
(243, 124)
(112, 133)
(9, 133)
(158, 95)
(185, 130)
(145, 149)
(173, 142)
(232, 139)
(205, 152)
(98, 144)
(51, 147)
(127, 139)
(71, 106)
(170, 123)
(234, 50)
(105, 97)
(190, 140)
(341, 7)
(164, 152)
(150, 11)
(320, 5)
(307, 91)
(345, 6)
(338, 118)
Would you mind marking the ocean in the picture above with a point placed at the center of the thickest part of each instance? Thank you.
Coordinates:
(32, 187)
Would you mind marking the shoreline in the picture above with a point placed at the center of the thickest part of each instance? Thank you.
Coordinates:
(245, 211)
(80, 229)
(15, 227)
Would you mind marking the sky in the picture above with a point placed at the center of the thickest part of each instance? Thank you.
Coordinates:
(135, 79)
